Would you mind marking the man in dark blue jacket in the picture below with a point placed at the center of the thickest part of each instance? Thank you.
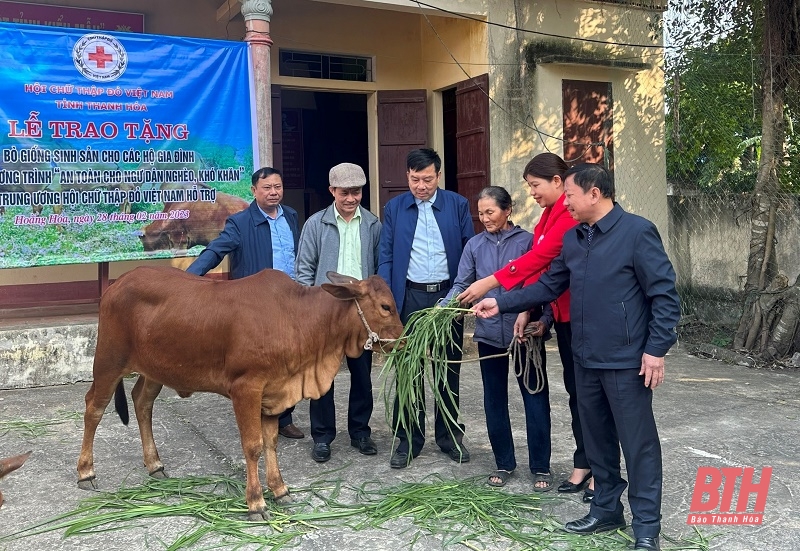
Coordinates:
(424, 233)
(624, 311)
(264, 235)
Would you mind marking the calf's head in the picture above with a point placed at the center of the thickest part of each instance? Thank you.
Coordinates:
(375, 299)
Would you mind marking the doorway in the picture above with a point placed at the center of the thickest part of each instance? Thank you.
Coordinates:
(465, 126)
(318, 131)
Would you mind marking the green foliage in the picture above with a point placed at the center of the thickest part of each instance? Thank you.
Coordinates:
(713, 110)
(714, 99)
(723, 340)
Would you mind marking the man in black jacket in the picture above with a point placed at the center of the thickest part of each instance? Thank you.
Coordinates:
(624, 311)
(264, 235)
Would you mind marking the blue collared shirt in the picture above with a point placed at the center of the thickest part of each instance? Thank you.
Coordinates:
(283, 252)
(428, 263)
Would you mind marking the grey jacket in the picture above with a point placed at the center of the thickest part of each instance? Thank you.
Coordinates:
(318, 250)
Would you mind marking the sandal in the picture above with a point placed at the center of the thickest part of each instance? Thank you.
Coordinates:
(501, 476)
(542, 482)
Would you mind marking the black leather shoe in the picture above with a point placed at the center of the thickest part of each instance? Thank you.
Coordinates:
(591, 525)
(321, 452)
(568, 487)
(291, 431)
(400, 459)
(651, 544)
(588, 495)
(459, 455)
(365, 445)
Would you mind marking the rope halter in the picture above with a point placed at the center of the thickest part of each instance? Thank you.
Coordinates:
(372, 336)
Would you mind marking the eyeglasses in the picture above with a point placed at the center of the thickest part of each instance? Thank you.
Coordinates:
(276, 187)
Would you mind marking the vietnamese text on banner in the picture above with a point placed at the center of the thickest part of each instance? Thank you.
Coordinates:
(118, 146)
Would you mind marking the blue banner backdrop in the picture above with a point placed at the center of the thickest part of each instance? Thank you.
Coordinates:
(119, 146)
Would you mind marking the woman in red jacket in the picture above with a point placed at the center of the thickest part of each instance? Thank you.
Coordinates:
(544, 176)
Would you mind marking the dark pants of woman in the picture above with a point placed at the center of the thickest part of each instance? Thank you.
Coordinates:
(537, 412)
(564, 338)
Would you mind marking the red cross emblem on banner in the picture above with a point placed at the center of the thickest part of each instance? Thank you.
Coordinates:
(100, 57)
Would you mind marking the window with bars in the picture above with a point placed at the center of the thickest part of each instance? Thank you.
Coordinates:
(293, 63)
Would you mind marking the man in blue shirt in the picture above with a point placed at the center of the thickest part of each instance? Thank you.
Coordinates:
(424, 233)
(264, 235)
(624, 311)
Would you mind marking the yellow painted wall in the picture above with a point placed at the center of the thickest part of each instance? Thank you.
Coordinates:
(528, 98)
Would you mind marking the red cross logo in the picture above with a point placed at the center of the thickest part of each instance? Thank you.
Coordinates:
(100, 57)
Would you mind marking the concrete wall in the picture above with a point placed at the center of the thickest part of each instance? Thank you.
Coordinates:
(710, 243)
(43, 356)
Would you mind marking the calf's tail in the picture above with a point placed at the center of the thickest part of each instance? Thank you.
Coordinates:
(121, 403)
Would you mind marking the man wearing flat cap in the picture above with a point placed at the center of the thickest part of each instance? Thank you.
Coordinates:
(342, 238)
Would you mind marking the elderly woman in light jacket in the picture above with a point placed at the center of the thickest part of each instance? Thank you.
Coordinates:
(484, 254)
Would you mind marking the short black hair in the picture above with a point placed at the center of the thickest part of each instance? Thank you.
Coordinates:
(589, 175)
(265, 172)
(498, 194)
(420, 159)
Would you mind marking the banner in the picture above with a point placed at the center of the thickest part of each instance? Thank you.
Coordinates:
(119, 146)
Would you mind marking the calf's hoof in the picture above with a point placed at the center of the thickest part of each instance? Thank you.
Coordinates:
(256, 516)
(88, 483)
(285, 499)
(159, 473)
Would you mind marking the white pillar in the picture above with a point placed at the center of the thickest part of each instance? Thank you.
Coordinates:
(257, 14)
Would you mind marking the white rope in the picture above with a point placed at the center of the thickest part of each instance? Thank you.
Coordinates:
(372, 336)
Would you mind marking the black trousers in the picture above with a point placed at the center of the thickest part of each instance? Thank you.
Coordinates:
(564, 338)
(285, 418)
(617, 409)
(322, 412)
(417, 300)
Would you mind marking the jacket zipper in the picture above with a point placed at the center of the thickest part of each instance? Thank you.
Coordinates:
(625, 316)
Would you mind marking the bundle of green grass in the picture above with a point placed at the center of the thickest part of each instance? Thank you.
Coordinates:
(422, 357)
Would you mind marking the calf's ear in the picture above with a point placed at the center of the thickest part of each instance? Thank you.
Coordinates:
(342, 291)
(340, 279)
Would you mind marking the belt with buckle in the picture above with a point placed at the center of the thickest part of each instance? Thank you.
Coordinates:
(429, 287)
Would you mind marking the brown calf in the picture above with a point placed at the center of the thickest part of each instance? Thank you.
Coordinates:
(263, 341)
(11, 464)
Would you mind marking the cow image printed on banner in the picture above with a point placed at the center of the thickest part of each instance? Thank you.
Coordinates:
(713, 500)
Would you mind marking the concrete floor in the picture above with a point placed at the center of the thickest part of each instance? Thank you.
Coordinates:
(708, 413)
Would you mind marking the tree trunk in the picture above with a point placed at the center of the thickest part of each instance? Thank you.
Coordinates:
(779, 31)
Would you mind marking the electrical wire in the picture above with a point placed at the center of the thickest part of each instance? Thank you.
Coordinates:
(531, 126)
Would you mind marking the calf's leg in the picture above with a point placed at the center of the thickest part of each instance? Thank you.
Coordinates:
(144, 394)
(97, 398)
(269, 435)
(247, 408)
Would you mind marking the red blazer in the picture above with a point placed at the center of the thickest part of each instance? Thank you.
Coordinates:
(548, 237)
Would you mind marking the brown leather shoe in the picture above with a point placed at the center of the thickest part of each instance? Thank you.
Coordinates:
(291, 431)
